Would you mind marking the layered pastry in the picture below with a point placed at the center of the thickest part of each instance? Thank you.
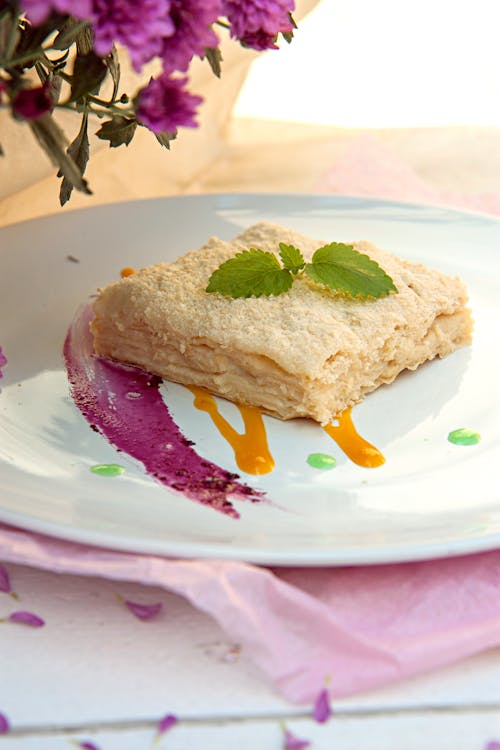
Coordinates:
(305, 353)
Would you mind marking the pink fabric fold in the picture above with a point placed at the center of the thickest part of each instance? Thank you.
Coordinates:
(358, 628)
(370, 168)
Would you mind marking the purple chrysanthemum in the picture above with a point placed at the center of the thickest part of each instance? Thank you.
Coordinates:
(193, 34)
(38, 10)
(30, 104)
(164, 105)
(257, 22)
(140, 29)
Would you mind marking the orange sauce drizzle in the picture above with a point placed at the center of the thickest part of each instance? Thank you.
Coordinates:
(250, 448)
(360, 451)
(127, 271)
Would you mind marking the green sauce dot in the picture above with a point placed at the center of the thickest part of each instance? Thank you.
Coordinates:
(463, 436)
(321, 461)
(107, 470)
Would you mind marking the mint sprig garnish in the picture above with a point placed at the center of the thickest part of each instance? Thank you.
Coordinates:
(251, 273)
(339, 267)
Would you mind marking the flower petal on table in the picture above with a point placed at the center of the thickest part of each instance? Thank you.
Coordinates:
(321, 709)
(26, 618)
(4, 724)
(5, 586)
(292, 742)
(143, 611)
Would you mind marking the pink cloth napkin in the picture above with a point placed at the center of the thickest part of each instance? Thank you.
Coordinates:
(355, 628)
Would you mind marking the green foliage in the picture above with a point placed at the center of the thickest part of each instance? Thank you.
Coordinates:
(339, 267)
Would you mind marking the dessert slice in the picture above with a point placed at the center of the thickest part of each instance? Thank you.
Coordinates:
(305, 353)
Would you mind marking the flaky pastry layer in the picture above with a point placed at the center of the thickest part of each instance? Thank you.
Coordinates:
(306, 353)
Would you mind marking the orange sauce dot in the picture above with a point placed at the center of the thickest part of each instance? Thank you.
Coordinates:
(359, 450)
(127, 271)
(250, 448)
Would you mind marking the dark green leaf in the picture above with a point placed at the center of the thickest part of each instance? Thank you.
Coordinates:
(288, 35)
(118, 131)
(343, 269)
(214, 57)
(85, 41)
(69, 33)
(291, 257)
(88, 73)
(165, 138)
(55, 83)
(112, 62)
(78, 150)
(53, 141)
(251, 273)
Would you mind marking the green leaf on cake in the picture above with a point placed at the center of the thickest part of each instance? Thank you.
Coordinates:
(291, 258)
(346, 271)
(251, 273)
(341, 268)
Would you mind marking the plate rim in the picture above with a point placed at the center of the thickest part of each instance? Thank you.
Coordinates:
(354, 556)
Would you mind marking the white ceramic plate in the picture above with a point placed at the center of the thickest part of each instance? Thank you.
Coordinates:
(431, 498)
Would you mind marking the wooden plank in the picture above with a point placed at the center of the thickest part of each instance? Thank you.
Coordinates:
(447, 731)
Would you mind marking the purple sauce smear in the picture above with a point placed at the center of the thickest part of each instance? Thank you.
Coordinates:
(124, 404)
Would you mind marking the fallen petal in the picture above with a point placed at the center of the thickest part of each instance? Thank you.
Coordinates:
(144, 611)
(26, 618)
(292, 742)
(87, 746)
(4, 580)
(3, 361)
(167, 723)
(4, 724)
(322, 710)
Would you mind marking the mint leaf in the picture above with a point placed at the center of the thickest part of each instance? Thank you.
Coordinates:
(341, 268)
(251, 273)
(292, 258)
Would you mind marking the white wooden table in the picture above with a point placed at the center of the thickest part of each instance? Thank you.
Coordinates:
(96, 673)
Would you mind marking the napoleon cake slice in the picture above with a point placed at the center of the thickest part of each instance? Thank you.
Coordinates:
(305, 353)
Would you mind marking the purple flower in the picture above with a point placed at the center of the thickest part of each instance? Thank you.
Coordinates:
(87, 746)
(164, 105)
(4, 575)
(3, 358)
(493, 745)
(30, 104)
(143, 611)
(193, 34)
(26, 618)
(292, 742)
(4, 724)
(38, 10)
(166, 723)
(140, 29)
(321, 709)
(256, 23)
